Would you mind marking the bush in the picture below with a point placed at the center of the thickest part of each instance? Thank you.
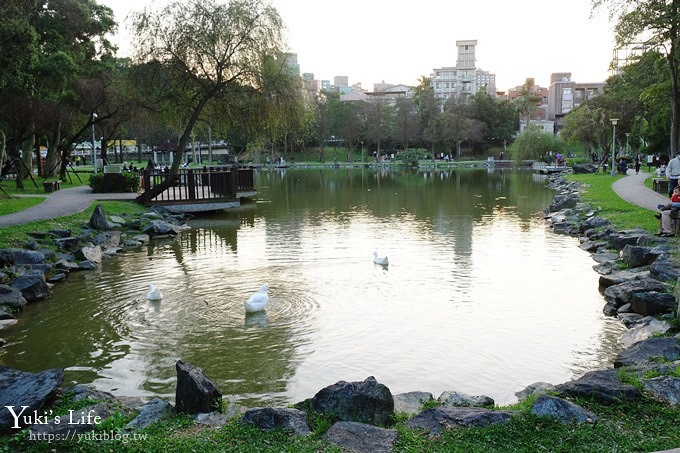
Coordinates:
(114, 182)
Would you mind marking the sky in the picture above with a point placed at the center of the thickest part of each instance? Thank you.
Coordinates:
(371, 41)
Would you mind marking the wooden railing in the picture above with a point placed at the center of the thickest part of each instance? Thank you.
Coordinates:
(193, 185)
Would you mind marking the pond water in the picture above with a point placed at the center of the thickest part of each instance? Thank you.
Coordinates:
(479, 297)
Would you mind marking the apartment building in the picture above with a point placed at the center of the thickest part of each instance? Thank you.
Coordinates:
(465, 78)
(565, 94)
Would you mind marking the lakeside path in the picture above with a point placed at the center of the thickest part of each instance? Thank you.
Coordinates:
(76, 199)
(61, 203)
(632, 189)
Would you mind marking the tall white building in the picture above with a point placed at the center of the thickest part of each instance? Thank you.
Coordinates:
(465, 78)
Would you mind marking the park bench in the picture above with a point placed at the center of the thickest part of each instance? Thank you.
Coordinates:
(51, 186)
(660, 185)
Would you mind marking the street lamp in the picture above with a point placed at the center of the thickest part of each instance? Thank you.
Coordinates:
(614, 121)
(94, 152)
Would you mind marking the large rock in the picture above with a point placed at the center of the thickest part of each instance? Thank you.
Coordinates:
(12, 298)
(603, 386)
(270, 418)
(649, 351)
(21, 256)
(537, 388)
(70, 244)
(584, 168)
(153, 411)
(360, 437)
(664, 388)
(435, 420)
(652, 303)
(363, 402)
(636, 256)
(33, 286)
(642, 330)
(411, 403)
(622, 293)
(664, 269)
(33, 390)
(98, 220)
(107, 239)
(161, 228)
(195, 393)
(92, 254)
(457, 399)
(561, 409)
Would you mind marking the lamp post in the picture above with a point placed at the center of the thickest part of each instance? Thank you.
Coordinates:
(627, 149)
(94, 151)
(614, 121)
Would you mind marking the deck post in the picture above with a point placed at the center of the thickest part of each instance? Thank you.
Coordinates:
(191, 184)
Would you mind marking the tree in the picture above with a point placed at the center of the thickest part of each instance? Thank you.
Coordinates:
(527, 101)
(657, 24)
(62, 45)
(406, 122)
(497, 116)
(429, 111)
(211, 52)
(535, 144)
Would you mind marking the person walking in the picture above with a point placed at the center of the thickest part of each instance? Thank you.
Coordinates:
(673, 173)
(638, 162)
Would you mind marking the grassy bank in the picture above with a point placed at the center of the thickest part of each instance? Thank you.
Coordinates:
(644, 425)
(597, 189)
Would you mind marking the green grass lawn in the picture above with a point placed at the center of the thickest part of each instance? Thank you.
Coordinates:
(16, 204)
(597, 189)
(16, 235)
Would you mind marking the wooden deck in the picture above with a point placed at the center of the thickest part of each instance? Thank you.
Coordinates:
(199, 190)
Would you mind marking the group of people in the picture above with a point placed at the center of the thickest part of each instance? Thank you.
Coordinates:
(669, 211)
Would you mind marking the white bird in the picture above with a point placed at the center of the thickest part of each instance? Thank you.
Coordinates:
(257, 301)
(154, 293)
(381, 260)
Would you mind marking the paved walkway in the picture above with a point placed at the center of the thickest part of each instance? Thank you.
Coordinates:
(76, 199)
(60, 203)
(632, 189)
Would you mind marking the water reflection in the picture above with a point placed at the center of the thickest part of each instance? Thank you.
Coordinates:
(479, 295)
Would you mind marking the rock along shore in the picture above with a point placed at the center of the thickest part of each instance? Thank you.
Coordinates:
(636, 275)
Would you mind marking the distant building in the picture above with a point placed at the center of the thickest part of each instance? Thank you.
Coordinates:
(565, 95)
(465, 78)
(541, 112)
(341, 81)
(292, 63)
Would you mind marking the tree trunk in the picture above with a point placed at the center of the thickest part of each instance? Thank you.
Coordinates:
(150, 193)
(675, 90)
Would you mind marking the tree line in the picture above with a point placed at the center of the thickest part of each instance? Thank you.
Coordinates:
(207, 69)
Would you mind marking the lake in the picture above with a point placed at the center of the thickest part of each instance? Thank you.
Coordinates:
(479, 297)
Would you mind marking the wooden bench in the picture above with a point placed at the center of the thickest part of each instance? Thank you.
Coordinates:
(660, 185)
(52, 186)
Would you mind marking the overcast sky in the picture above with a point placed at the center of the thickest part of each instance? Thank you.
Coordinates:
(371, 41)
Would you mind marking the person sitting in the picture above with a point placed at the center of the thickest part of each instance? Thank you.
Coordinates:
(668, 212)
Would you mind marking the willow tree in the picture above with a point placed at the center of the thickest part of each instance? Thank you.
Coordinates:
(207, 51)
(655, 23)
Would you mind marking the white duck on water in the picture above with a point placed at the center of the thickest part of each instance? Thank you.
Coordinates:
(154, 293)
(257, 301)
(381, 260)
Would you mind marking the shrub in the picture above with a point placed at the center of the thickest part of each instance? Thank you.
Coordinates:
(114, 182)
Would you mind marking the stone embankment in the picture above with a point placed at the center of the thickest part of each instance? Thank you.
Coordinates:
(636, 270)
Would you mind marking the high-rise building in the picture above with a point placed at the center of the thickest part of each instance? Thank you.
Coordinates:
(465, 78)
